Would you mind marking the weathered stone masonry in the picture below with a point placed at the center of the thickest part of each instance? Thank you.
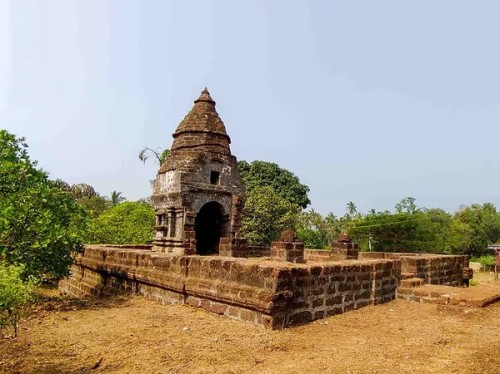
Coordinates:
(198, 194)
(271, 294)
(198, 198)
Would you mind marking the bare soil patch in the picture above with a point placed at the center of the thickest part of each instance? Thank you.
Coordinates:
(134, 335)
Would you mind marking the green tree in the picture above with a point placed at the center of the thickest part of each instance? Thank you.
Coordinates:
(40, 224)
(126, 223)
(15, 294)
(95, 205)
(116, 198)
(312, 228)
(266, 215)
(484, 223)
(407, 205)
(412, 229)
(285, 183)
(351, 210)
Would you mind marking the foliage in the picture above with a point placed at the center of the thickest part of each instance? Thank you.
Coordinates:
(313, 230)
(116, 198)
(487, 262)
(95, 205)
(351, 210)
(40, 224)
(286, 184)
(412, 229)
(409, 229)
(266, 215)
(484, 223)
(86, 196)
(159, 156)
(14, 295)
(125, 223)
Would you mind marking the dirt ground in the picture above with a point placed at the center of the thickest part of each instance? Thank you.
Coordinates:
(134, 335)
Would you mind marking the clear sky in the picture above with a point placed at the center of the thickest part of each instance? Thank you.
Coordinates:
(369, 101)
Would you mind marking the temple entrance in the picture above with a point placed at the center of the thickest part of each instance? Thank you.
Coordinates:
(209, 227)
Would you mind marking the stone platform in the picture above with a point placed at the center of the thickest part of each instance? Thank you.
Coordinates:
(477, 296)
(270, 293)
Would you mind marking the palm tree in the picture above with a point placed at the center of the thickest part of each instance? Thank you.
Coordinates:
(116, 198)
(351, 209)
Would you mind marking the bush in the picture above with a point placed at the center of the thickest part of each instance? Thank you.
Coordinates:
(126, 223)
(15, 294)
(40, 224)
(487, 262)
(266, 215)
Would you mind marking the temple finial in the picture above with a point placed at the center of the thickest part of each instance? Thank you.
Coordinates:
(205, 96)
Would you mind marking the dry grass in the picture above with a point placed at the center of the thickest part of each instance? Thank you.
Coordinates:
(139, 336)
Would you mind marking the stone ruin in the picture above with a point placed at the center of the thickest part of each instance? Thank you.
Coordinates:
(197, 256)
(198, 194)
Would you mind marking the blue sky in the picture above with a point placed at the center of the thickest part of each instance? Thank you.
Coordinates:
(369, 101)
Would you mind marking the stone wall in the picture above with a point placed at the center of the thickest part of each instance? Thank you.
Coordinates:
(318, 255)
(320, 291)
(258, 251)
(432, 268)
(271, 294)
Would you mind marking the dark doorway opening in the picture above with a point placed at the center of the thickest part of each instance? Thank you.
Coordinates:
(209, 227)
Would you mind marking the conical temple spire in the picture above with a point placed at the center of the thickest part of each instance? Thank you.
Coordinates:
(205, 96)
(202, 128)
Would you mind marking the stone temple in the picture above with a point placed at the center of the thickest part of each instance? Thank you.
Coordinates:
(198, 194)
(197, 256)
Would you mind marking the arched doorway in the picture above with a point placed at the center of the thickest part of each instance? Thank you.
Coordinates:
(209, 227)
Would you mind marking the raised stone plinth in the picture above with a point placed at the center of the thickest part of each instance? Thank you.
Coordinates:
(268, 293)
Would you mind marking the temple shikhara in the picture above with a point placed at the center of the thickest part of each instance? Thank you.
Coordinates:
(198, 194)
(198, 256)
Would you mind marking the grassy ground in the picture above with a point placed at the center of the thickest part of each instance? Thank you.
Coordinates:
(134, 335)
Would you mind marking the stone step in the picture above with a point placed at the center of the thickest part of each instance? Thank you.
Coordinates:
(412, 282)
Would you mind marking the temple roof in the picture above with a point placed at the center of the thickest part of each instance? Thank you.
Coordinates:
(202, 127)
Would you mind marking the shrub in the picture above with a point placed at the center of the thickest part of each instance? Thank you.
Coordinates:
(126, 223)
(15, 294)
(40, 224)
(487, 262)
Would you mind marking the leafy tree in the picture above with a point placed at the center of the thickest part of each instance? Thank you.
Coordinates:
(484, 223)
(412, 229)
(312, 229)
(15, 294)
(407, 205)
(334, 226)
(116, 198)
(125, 223)
(40, 224)
(266, 215)
(286, 184)
(95, 205)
